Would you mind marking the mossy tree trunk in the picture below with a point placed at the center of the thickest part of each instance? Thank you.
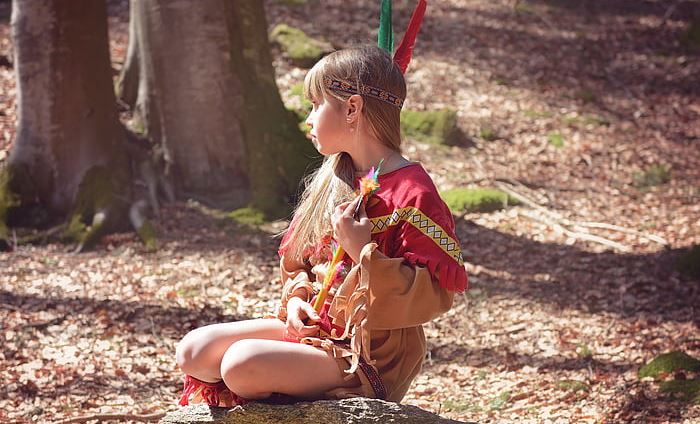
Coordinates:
(67, 120)
(200, 82)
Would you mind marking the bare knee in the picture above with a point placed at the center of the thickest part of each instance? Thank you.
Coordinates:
(191, 353)
(242, 368)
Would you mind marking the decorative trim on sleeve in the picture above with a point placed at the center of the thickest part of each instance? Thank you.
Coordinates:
(422, 223)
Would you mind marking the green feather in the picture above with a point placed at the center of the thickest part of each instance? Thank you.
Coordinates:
(385, 39)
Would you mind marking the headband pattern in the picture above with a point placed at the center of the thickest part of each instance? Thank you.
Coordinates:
(367, 90)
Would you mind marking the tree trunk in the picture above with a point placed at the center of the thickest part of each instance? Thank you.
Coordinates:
(67, 120)
(200, 82)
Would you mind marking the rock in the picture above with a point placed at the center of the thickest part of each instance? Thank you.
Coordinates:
(356, 410)
(301, 49)
(477, 199)
(432, 126)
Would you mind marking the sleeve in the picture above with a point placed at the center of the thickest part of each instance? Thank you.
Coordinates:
(427, 238)
(295, 280)
(400, 295)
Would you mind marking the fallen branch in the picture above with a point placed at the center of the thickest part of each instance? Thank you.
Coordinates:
(559, 222)
(578, 235)
(117, 417)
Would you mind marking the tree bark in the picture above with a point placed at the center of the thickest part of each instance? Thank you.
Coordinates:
(200, 82)
(66, 109)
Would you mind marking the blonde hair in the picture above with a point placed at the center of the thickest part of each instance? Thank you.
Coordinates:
(333, 182)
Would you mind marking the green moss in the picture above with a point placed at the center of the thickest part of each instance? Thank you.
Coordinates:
(247, 216)
(477, 199)
(97, 192)
(573, 386)
(555, 139)
(278, 153)
(76, 229)
(8, 200)
(584, 351)
(588, 119)
(536, 114)
(459, 406)
(302, 50)
(488, 134)
(499, 401)
(434, 127)
(147, 234)
(300, 106)
(668, 363)
(655, 175)
(690, 389)
(689, 263)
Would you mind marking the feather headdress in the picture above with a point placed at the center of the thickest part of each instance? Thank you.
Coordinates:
(385, 38)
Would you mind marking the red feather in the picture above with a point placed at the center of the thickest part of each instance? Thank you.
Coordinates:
(403, 54)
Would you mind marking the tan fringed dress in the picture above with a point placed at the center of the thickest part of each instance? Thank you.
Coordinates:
(407, 276)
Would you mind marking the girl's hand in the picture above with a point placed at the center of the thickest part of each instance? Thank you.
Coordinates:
(351, 235)
(320, 271)
(297, 312)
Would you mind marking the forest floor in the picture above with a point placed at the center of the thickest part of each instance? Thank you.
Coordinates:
(567, 105)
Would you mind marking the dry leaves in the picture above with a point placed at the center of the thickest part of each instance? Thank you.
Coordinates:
(554, 328)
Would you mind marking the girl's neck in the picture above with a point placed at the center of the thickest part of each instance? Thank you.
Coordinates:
(367, 151)
(391, 160)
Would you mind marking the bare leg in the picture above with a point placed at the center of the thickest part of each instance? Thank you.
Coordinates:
(199, 353)
(255, 368)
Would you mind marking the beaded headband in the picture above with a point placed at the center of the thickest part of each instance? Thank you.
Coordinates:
(385, 41)
(368, 90)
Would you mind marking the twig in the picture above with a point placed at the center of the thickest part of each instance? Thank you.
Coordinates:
(650, 237)
(117, 417)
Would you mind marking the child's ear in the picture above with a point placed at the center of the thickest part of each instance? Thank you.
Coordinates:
(355, 104)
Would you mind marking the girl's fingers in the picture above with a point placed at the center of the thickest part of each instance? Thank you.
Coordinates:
(309, 330)
(350, 207)
(341, 207)
(362, 212)
(311, 312)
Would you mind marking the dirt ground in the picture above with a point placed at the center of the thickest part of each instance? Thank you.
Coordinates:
(566, 103)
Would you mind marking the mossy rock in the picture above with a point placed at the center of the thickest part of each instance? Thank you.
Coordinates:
(477, 199)
(690, 389)
(689, 263)
(434, 127)
(669, 363)
(247, 216)
(301, 49)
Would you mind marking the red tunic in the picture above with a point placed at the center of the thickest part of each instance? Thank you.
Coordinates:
(410, 220)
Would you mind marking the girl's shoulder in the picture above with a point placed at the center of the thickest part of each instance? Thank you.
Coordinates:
(407, 183)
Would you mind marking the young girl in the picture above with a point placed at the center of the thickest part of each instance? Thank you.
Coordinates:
(403, 259)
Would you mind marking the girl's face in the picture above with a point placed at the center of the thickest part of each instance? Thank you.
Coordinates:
(328, 125)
